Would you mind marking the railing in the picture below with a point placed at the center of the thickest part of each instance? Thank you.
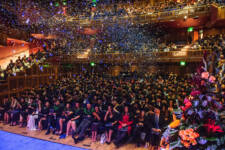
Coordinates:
(191, 55)
(146, 17)
(219, 4)
(135, 17)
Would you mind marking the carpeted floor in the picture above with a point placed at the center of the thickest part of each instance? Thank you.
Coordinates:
(10, 141)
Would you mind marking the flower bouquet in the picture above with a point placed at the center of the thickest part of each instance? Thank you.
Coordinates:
(201, 123)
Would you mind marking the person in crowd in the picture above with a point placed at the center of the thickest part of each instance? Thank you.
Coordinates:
(32, 113)
(96, 123)
(85, 123)
(23, 112)
(53, 118)
(124, 128)
(14, 111)
(139, 131)
(43, 115)
(156, 122)
(6, 109)
(3, 109)
(75, 120)
(110, 123)
(66, 116)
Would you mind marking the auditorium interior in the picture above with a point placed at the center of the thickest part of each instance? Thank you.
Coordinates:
(112, 74)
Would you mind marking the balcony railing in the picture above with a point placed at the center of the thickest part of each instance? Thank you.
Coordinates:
(172, 56)
(144, 17)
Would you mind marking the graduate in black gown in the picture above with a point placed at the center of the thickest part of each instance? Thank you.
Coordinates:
(110, 123)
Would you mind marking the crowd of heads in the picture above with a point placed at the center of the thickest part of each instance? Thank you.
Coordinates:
(130, 38)
(86, 100)
(137, 93)
(28, 13)
(123, 107)
(216, 43)
(23, 63)
(117, 106)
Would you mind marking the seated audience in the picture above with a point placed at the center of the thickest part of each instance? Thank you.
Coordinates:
(89, 104)
(124, 128)
(156, 126)
(97, 121)
(75, 119)
(110, 123)
(85, 123)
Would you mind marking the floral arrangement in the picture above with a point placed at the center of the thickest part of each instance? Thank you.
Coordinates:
(188, 137)
(202, 122)
(175, 124)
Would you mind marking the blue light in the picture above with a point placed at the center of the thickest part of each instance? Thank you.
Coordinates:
(27, 21)
(41, 68)
(83, 69)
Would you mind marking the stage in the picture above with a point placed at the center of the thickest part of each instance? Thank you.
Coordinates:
(11, 141)
(38, 137)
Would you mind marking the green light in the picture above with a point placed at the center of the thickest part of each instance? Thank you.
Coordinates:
(190, 29)
(64, 3)
(182, 63)
(46, 66)
(94, 3)
(56, 4)
(92, 64)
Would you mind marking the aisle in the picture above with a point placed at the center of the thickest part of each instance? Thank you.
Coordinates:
(10, 141)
